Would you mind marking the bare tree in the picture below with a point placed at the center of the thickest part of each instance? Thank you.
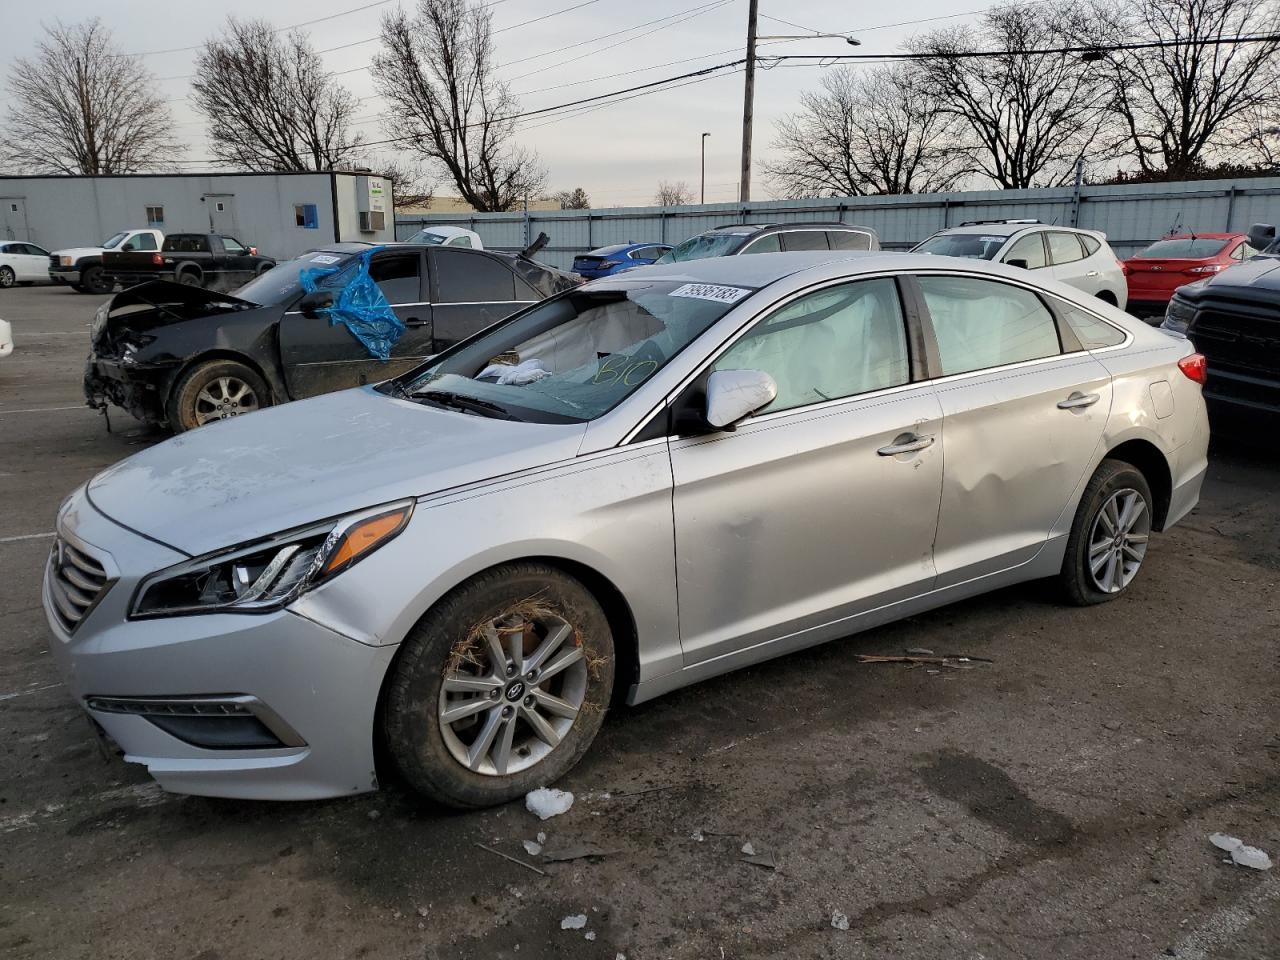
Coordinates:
(270, 103)
(1255, 138)
(411, 186)
(1181, 106)
(673, 194)
(436, 71)
(1027, 118)
(82, 106)
(872, 132)
(575, 199)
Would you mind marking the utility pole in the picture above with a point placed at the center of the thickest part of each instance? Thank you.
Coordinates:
(704, 167)
(748, 101)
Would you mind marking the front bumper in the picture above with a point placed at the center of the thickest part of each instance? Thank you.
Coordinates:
(140, 389)
(64, 274)
(314, 689)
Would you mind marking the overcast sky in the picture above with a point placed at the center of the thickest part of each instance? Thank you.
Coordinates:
(617, 153)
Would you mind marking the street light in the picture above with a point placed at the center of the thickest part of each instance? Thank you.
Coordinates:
(704, 167)
(852, 41)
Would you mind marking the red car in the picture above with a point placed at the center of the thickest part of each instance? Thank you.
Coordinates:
(1183, 258)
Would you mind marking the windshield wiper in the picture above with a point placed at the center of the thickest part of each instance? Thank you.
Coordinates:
(446, 398)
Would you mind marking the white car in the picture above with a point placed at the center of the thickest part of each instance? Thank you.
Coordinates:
(448, 237)
(6, 338)
(1080, 258)
(23, 263)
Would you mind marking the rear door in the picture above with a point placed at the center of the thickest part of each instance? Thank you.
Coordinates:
(1023, 412)
(471, 291)
(1068, 263)
(32, 261)
(319, 356)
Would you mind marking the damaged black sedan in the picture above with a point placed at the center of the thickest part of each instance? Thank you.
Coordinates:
(182, 356)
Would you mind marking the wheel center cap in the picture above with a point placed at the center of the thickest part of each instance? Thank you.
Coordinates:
(515, 691)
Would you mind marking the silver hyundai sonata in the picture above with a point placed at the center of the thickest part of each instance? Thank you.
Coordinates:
(641, 483)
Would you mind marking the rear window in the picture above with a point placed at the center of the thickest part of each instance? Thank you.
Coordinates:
(1184, 248)
(186, 243)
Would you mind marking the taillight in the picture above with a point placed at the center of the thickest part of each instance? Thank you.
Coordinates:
(1195, 367)
(157, 260)
(253, 251)
(1207, 268)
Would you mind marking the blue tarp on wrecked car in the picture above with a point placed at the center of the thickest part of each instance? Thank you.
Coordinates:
(358, 303)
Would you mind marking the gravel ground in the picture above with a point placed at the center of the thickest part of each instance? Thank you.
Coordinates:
(1053, 803)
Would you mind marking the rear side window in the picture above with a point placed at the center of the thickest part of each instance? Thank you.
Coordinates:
(985, 323)
(472, 277)
(1030, 249)
(848, 240)
(397, 278)
(186, 243)
(1091, 244)
(770, 243)
(805, 240)
(1092, 332)
(1064, 248)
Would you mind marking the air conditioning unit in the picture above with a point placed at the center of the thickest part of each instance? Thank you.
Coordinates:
(371, 203)
(371, 221)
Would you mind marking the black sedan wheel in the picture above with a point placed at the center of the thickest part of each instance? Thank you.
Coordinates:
(215, 390)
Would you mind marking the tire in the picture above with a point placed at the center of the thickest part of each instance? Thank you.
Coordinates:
(93, 281)
(1106, 296)
(189, 278)
(215, 390)
(7, 277)
(1098, 537)
(431, 754)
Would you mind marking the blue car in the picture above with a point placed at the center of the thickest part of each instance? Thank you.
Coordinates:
(616, 258)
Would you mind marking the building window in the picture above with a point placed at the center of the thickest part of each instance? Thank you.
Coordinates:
(305, 215)
(155, 216)
(220, 206)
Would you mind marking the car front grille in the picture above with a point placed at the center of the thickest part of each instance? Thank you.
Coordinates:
(53, 262)
(76, 583)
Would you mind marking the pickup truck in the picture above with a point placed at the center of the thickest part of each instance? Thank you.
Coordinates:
(208, 260)
(81, 267)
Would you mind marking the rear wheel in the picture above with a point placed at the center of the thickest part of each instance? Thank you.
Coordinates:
(93, 280)
(1108, 540)
(500, 688)
(215, 390)
(7, 277)
(189, 278)
(1106, 296)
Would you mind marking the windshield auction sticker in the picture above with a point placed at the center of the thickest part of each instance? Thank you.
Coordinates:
(709, 291)
(325, 258)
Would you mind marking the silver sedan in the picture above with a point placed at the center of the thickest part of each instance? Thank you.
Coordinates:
(646, 481)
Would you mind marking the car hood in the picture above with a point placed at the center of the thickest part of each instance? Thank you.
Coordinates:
(1257, 273)
(78, 252)
(280, 468)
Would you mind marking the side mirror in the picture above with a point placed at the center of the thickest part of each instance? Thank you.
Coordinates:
(127, 247)
(1261, 236)
(1018, 262)
(733, 395)
(311, 304)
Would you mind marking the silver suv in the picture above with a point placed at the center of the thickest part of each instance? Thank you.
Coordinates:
(1080, 258)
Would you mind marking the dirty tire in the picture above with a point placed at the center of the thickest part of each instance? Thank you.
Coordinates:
(182, 410)
(93, 281)
(189, 278)
(7, 277)
(1075, 580)
(412, 728)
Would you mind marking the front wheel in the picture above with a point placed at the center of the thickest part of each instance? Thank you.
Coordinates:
(7, 277)
(500, 688)
(1109, 535)
(215, 390)
(93, 280)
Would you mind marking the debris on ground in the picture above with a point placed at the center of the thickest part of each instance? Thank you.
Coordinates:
(759, 858)
(422, 911)
(1242, 855)
(1112, 725)
(504, 856)
(748, 849)
(919, 651)
(957, 661)
(542, 837)
(839, 920)
(590, 935)
(697, 835)
(575, 921)
(532, 847)
(547, 802)
(575, 851)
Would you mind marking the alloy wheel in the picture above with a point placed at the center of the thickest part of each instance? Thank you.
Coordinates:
(7, 277)
(512, 690)
(222, 398)
(1118, 540)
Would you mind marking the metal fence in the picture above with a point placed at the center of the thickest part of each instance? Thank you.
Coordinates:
(1131, 215)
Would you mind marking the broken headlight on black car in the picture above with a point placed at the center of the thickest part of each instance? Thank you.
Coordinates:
(271, 573)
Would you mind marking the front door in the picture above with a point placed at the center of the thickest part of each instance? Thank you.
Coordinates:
(473, 290)
(319, 357)
(822, 506)
(1022, 420)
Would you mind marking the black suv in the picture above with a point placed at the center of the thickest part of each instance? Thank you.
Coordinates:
(1233, 318)
(772, 238)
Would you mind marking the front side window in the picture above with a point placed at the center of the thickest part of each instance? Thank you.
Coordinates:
(984, 323)
(233, 246)
(114, 240)
(769, 243)
(837, 342)
(576, 357)
(472, 278)
(1029, 249)
(144, 242)
(397, 277)
(1064, 248)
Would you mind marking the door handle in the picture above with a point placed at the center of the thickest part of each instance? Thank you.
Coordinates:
(1092, 273)
(1077, 400)
(415, 322)
(905, 443)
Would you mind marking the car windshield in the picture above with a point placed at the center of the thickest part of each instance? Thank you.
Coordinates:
(281, 283)
(573, 358)
(703, 246)
(974, 246)
(114, 240)
(427, 237)
(1184, 248)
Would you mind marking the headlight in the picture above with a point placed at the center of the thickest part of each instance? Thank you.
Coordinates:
(66, 261)
(1177, 315)
(99, 321)
(271, 573)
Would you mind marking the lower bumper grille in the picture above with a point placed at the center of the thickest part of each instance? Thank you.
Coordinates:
(214, 722)
(76, 583)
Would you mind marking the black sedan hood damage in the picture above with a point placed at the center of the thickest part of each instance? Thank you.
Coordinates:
(179, 301)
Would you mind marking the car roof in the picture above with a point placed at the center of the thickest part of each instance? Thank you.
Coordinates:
(1204, 236)
(754, 271)
(444, 230)
(745, 228)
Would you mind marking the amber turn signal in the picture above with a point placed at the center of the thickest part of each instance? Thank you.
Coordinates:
(364, 536)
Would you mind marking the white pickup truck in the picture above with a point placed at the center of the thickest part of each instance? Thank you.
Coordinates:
(82, 266)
